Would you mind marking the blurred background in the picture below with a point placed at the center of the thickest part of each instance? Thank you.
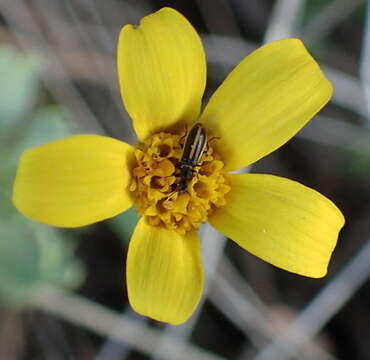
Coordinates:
(62, 292)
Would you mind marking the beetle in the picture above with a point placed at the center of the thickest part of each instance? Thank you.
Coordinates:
(193, 149)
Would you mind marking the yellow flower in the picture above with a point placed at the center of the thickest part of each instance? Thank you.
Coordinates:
(263, 102)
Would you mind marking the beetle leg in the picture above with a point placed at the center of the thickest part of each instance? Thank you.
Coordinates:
(181, 140)
(211, 139)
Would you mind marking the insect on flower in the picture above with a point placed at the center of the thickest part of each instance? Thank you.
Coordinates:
(177, 186)
(195, 143)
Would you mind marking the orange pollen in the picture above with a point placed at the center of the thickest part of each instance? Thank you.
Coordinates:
(155, 184)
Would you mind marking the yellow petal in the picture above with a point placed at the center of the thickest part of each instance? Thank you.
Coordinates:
(162, 71)
(164, 273)
(74, 181)
(281, 221)
(265, 101)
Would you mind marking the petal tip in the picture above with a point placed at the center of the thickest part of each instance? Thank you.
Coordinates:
(164, 11)
(158, 317)
(168, 10)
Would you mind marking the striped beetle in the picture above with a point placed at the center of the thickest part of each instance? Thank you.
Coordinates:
(194, 146)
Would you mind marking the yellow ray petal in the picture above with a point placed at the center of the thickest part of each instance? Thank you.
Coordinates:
(74, 181)
(164, 273)
(162, 71)
(281, 221)
(264, 101)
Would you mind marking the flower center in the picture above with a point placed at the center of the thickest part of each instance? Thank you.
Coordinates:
(155, 184)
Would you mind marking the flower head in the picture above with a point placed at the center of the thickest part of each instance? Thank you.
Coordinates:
(155, 184)
(263, 102)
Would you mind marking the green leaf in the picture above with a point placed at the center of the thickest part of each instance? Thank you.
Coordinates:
(58, 264)
(33, 255)
(19, 85)
(19, 259)
(47, 124)
(124, 224)
(6, 206)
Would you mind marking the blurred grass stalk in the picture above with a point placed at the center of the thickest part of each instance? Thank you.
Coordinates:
(107, 323)
(321, 309)
(365, 63)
